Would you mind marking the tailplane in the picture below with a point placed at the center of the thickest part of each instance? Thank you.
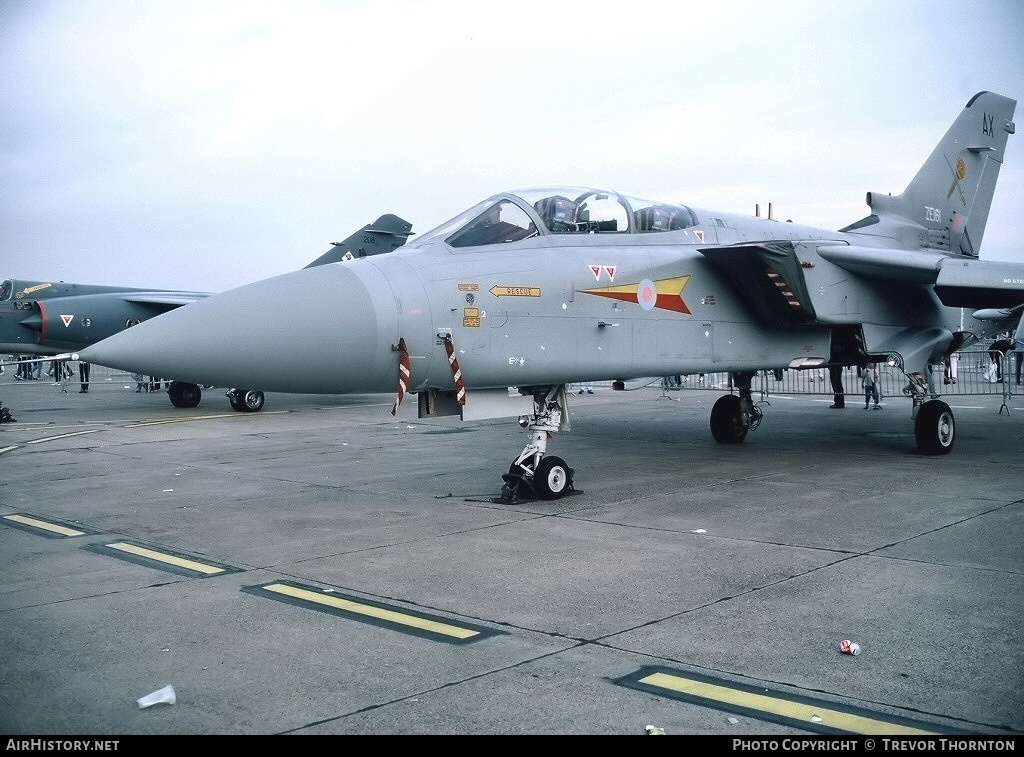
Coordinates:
(946, 205)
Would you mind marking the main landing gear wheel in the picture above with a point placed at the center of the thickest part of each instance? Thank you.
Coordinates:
(184, 394)
(246, 400)
(934, 428)
(727, 425)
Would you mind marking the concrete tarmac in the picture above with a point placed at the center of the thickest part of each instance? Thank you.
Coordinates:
(322, 567)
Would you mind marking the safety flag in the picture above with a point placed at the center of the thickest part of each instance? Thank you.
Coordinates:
(460, 386)
(403, 374)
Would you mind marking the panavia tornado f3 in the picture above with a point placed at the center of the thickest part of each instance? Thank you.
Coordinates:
(494, 312)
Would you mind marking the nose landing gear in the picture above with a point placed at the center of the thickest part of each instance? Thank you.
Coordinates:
(532, 475)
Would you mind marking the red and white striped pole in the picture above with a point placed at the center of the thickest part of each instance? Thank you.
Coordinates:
(460, 386)
(404, 370)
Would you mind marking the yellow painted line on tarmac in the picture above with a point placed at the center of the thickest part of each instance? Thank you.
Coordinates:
(159, 421)
(42, 525)
(187, 418)
(164, 559)
(757, 702)
(8, 448)
(54, 438)
(420, 624)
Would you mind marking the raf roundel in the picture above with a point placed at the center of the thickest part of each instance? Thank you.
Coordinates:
(646, 294)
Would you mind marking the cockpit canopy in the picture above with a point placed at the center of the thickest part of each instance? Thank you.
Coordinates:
(512, 216)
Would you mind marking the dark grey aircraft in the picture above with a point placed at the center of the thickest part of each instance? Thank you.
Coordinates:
(51, 318)
(505, 304)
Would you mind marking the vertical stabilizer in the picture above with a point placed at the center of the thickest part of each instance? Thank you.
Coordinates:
(946, 205)
(387, 233)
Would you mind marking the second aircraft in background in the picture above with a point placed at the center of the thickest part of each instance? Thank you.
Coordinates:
(51, 317)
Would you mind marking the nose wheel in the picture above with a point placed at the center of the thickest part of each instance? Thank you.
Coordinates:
(550, 479)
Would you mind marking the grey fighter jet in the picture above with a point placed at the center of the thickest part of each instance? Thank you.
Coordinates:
(514, 298)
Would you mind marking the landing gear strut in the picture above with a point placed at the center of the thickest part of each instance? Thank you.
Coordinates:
(735, 415)
(532, 475)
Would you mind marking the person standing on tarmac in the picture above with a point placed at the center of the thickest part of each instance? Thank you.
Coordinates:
(24, 369)
(869, 377)
(83, 377)
(835, 375)
(1018, 346)
(997, 351)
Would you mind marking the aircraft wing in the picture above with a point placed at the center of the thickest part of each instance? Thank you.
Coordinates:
(985, 283)
(170, 299)
(770, 278)
(958, 282)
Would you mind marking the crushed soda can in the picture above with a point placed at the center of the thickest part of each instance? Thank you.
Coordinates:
(849, 647)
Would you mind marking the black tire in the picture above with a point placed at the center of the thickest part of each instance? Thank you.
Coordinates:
(236, 402)
(184, 394)
(935, 428)
(552, 478)
(727, 420)
(252, 401)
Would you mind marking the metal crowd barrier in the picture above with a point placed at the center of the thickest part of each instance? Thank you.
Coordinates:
(970, 372)
(967, 373)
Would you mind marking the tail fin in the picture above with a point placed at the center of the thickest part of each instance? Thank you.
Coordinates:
(387, 233)
(945, 207)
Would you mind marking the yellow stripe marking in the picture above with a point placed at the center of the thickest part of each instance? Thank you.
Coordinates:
(374, 612)
(159, 421)
(179, 562)
(61, 436)
(782, 707)
(8, 448)
(42, 524)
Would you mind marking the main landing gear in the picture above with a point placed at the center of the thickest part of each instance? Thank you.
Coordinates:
(532, 475)
(187, 395)
(733, 416)
(934, 425)
(184, 394)
(246, 400)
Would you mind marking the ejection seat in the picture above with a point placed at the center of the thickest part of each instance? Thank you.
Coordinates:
(558, 213)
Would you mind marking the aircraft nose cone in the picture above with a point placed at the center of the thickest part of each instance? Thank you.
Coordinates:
(311, 331)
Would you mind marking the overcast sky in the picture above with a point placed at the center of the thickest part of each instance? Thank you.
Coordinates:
(205, 145)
